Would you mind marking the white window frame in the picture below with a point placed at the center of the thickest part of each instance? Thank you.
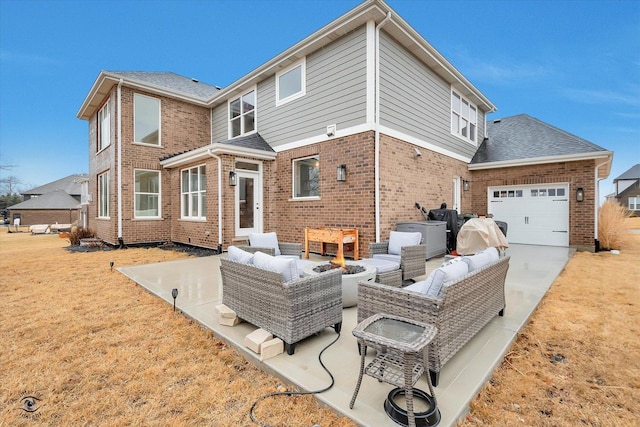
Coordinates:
(158, 194)
(104, 127)
(159, 101)
(242, 114)
(188, 193)
(295, 181)
(103, 195)
(302, 64)
(635, 202)
(460, 116)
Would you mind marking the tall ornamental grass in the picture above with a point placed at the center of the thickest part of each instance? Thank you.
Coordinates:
(613, 225)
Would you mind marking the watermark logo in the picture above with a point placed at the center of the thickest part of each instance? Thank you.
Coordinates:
(30, 404)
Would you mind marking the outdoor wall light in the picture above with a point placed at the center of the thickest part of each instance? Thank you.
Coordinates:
(233, 179)
(579, 194)
(341, 173)
(465, 185)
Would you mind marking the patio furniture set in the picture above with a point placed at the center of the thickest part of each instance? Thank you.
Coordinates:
(267, 284)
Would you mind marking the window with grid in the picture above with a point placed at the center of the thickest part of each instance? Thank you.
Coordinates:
(634, 203)
(464, 118)
(194, 193)
(104, 127)
(103, 195)
(242, 114)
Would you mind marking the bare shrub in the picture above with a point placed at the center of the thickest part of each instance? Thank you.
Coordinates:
(613, 227)
(78, 233)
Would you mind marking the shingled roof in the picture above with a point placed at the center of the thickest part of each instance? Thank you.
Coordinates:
(523, 137)
(56, 199)
(70, 185)
(171, 81)
(633, 173)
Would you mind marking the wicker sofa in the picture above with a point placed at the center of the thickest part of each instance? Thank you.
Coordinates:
(460, 311)
(291, 310)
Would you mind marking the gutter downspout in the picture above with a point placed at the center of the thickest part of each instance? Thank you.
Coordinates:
(219, 198)
(120, 240)
(377, 124)
(597, 201)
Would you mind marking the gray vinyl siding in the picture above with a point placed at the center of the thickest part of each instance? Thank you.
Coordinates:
(220, 123)
(335, 94)
(416, 101)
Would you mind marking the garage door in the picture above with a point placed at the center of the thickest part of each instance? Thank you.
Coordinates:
(535, 214)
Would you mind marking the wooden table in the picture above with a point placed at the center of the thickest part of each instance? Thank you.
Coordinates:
(340, 236)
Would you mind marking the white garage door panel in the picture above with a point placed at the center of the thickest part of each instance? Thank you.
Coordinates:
(536, 214)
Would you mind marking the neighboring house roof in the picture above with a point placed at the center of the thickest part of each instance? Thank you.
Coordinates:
(522, 139)
(56, 199)
(633, 173)
(70, 185)
(164, 83)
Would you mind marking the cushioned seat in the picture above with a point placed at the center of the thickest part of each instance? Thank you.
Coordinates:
(403, 248)
(387, 272)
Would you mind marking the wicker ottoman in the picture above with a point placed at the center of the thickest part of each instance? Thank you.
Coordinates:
(387, 272)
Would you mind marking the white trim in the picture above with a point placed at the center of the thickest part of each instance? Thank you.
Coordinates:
(303, 82)
(191, 191)
(159, 144)
(422, 143)
(471, 105)
(293, 178)
(371, 70)
(541, 160)
(99, 121)
(253, 89)
(107, 184)
(323, 137)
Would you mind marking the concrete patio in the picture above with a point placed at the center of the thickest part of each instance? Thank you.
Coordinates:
(532, 271)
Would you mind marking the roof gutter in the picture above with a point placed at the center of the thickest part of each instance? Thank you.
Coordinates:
(541, 160)
(120, 240)
(377, 124)
(217, 148)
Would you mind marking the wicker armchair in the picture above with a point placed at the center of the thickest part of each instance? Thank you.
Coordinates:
(461, 310)
(290, 311)
(412, 258)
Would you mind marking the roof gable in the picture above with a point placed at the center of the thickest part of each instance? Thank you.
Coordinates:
(523, 137)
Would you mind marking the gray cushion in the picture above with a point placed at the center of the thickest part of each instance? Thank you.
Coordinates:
(265, 240)
(399, 239)
(450, 272)
(239, 255)
(285, 266)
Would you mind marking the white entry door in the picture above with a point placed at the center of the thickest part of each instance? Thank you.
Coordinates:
(535, 214)
(248, 202)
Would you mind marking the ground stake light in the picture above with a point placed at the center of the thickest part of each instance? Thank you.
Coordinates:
(174, 294)
(111, 265)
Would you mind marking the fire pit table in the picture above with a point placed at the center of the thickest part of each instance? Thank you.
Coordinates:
(349, 281)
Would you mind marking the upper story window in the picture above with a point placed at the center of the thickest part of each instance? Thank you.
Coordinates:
(242, 114)
(306, 177)
(103, 195)
(464, 118)
(291, 83)
(146, 119)
(194, 193)
(104, 126)
(147, 194)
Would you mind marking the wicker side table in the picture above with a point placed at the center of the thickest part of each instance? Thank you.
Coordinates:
(399, 343)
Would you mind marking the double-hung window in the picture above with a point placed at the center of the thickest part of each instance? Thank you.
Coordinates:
(147, 194)
(242, 114)
(146, 119)
(464, 118)
(194, 193)
(103, 195)
(291, 83)
(306, 177)
(104, 127)
(634, 203)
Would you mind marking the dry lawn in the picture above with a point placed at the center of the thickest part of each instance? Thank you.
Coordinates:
(96, 349)
(577, 362)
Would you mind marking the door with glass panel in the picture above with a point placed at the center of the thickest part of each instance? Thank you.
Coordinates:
(248, 199)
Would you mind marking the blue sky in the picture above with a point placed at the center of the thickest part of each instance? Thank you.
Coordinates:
(573, 64)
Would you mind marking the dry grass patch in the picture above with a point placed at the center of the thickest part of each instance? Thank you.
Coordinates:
(99, 350)
(576, 362)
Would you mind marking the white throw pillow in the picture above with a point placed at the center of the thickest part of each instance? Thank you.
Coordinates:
(285, 266)
(478, 260)
(237, 254)
(493, 253)
(448, 273)
(399, 239)
(265, 240)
